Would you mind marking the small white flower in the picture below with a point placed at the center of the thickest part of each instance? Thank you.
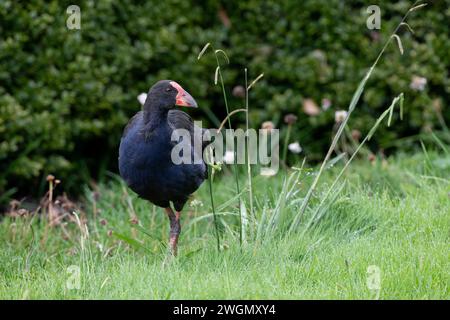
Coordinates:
(295, 147)
(418, 83)
(229, 157)
(142, 97)
(340, 116)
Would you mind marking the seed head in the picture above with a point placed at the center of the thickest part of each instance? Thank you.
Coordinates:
(340, 116)
(239, 92)
(290, 119)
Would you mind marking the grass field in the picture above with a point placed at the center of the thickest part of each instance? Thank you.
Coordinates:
(385, 235)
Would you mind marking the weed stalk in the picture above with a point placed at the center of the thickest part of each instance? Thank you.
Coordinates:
(353, 103)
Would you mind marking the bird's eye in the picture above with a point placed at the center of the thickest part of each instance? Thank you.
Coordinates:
(168, 89)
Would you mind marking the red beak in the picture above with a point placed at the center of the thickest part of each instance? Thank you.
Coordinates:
(184, 99)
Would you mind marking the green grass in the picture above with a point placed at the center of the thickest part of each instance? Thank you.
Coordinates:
(393, 214)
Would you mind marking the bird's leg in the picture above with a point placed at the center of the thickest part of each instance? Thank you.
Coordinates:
(175, 229)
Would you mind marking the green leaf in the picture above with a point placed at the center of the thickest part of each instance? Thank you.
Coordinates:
(132, 242)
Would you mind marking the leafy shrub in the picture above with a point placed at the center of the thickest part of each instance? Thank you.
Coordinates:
(65, 95)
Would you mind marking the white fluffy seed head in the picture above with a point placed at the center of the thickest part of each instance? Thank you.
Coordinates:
(340, 116)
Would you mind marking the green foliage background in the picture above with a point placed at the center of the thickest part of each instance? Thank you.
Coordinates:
(65, 95)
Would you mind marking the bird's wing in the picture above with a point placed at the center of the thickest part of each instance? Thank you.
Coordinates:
(132, 122)
(181, 120)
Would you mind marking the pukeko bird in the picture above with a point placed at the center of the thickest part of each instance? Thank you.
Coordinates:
(145, 153)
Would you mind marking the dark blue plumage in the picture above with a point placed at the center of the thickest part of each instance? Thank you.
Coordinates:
(145, 151)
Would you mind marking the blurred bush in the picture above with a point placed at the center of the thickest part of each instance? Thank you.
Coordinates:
(65, 95)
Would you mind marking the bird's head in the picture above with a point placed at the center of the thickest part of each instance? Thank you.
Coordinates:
(168, 94)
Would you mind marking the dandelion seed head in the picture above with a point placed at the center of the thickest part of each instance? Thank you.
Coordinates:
(340, 116)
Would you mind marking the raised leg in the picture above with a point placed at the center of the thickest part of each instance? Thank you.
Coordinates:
(175, 229)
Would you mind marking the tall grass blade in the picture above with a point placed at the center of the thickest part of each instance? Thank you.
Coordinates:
(254, 81)
(228, 116)
(223, 54)
(407, 26)
(249, 169)
(402, 99)
(418, 7)
(216, 226)
(367, 138)
(225, 99)
(244, 218)
(353, 103)
(440, 143)
(132, 242)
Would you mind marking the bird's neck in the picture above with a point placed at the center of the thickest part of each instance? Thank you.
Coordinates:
(154, 116)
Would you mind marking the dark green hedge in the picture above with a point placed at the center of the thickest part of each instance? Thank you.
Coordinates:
(65, 95)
